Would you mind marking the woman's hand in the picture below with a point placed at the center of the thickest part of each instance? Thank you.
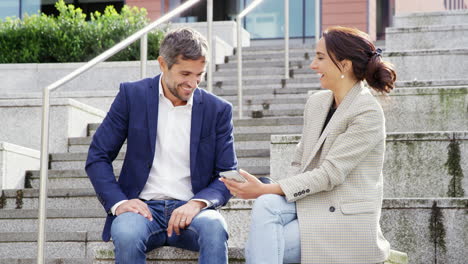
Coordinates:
(251, 189)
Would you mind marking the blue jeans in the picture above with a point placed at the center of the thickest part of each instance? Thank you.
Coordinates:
(134, 235)
(274, 232)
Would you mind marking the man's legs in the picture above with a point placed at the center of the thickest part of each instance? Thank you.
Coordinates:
(134, 235)
(207, 234)
(274, 232)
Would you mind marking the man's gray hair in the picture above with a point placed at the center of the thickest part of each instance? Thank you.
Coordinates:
(183, 41)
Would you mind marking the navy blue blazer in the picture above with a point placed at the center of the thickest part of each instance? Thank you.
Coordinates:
(133, 116)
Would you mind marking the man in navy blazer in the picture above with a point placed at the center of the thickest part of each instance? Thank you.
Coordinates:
(179, 138)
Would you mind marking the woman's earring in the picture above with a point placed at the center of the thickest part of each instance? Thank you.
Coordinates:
(342, 76)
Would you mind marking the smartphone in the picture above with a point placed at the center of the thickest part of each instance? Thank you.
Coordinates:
(232, 175)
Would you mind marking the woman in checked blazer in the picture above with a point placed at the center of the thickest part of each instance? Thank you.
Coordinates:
(329, 210)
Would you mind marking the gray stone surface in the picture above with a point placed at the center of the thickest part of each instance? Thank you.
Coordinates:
(418, 19)
(406, 224)
(429, 37)
(415, 163)
(426, 109)
(21, 122)
(437, 64)
(60, 249)
(33, 77)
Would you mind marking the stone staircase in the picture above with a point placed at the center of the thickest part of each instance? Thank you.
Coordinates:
(427, 124)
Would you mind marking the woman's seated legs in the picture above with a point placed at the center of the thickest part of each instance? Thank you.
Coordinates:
(274, 223)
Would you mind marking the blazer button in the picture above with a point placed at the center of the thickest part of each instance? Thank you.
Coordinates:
(307, 191)
(295, 195)
(331, 209)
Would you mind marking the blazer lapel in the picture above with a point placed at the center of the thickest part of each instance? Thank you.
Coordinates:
(196, 125)
(152, 104)
(336, 118)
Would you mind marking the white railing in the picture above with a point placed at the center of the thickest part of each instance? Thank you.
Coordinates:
(141, 34)
(211, 61)
(239, 53)
(286, 39)
(318, 20)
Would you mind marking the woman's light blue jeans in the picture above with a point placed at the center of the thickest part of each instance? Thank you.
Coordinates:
(134, 235)
(274, 232)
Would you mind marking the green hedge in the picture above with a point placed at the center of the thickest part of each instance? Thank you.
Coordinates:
(69, 37)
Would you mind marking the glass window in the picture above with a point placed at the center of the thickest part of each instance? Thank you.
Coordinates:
(310, 18)
(9, 8)
(30, 7)
(267, 19)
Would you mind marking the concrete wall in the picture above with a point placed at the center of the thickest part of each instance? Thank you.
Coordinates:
(405, 6)
(21, 122)
(416, 164)
(34, 77)
(152, 6)
(351, 13)
(14, 161)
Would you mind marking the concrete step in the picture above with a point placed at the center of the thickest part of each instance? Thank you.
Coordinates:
(47, 261)
(86, 246)
(249, 72)
(273, 121)
(413, 65)
(259, 82)
(271, 49)
(427, 37)
(260, 161)
(426, 109)
(408, 224)
(233, 77)
(268, 57)
(256, 64)
(421, 19)
(269, 90)
(429, 164)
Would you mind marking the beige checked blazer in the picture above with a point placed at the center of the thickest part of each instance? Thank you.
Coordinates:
(338, 183)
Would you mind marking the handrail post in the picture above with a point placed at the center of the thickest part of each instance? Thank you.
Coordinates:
(239, 67)
(43, 176)
(209, 18)
(239, 52)
(286, 39)
(318, 19)
(143, 55)
(141, 34)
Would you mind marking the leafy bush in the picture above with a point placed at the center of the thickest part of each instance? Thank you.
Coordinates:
(70, 38)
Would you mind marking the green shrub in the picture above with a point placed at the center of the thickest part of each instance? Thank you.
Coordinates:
(69, 37)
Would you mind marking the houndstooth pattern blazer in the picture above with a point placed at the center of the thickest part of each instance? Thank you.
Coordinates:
(338, 183)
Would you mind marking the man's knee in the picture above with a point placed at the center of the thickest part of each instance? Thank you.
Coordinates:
(210, 224)
(128, 228)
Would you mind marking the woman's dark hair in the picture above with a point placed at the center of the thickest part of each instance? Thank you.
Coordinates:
(354, 45)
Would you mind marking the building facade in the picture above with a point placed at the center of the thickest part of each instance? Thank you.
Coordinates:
(267, 20)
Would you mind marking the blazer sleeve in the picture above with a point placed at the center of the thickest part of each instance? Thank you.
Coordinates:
(225, 159)
(364, 132)
(104, 148)
(296, 162)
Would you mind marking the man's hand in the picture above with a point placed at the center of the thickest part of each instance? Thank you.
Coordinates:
(183, 216)
(136, 206)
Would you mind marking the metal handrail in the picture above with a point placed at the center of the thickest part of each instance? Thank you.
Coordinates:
(209, 20)
(46, 107)
(239, 52)
(286, 39)
(318, 20)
